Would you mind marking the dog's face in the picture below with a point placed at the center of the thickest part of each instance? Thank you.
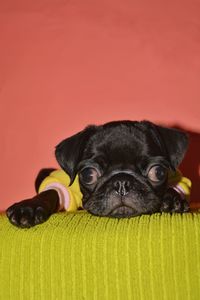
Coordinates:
(123, 166)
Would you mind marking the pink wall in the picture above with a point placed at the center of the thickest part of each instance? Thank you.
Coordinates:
(65, 64)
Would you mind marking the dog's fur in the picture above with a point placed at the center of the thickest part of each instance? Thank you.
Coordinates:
(123, 171)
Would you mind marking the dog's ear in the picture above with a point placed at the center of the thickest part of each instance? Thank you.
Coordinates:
(173, 142)
(69, 151)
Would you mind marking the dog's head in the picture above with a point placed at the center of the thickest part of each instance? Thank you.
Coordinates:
(123, 166)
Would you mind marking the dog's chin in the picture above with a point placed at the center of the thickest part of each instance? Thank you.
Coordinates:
(123, 212)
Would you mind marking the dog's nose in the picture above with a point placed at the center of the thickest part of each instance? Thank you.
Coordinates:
(122, 187)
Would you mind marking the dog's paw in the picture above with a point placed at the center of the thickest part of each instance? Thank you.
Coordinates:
(172, 202)
(27, 213)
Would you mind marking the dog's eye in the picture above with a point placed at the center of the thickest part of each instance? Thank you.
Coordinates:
(89, 175)
(157, 173)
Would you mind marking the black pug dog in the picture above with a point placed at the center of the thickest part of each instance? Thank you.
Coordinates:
(123, 169)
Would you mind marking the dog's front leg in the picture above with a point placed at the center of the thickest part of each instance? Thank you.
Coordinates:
(36, 210)
(173, 202)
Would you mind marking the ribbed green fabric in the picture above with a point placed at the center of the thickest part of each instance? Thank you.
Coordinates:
(79, 256)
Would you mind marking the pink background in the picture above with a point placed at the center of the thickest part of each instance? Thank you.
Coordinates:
(66, 64)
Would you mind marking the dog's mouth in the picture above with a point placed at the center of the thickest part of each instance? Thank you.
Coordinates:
(122, 211)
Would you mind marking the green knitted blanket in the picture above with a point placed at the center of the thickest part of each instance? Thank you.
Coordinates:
(79, 256)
